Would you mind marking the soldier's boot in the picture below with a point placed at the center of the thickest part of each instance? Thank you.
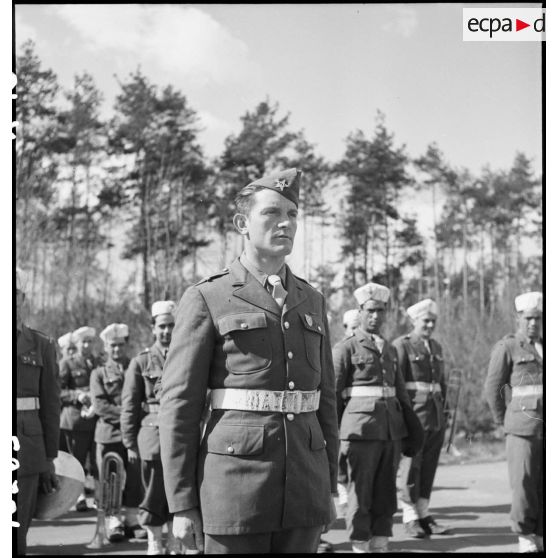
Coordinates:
(132, 529)
(379, 544)
(115, 528)
(527, 543)
(429, 525)
(361, 547)
(411, 525)
(174, 546)
(154, 540)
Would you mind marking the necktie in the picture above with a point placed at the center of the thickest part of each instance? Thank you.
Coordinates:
(278, 292)
(379, 342)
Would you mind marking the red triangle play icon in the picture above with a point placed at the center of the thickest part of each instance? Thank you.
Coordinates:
(519, 25)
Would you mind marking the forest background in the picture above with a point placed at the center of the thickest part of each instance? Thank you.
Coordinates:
(114, 213)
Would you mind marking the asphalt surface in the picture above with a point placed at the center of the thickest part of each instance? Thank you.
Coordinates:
(474, 499)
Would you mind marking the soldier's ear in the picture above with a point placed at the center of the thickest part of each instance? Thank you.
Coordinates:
(240, 223)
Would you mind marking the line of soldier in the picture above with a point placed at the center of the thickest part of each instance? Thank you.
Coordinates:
(111, 405)
(262, 475)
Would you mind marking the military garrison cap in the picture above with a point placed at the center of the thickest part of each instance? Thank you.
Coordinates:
(82, 332)
(286, 183)
(162, 307)
(65, 340)
(350, 318)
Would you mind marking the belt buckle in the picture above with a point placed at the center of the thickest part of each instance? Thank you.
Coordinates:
(431, 387)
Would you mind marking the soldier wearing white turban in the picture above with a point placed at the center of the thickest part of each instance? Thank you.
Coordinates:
(517, 361)
(422, 366)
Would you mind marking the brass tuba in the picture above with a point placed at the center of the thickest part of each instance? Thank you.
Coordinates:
(112, 477)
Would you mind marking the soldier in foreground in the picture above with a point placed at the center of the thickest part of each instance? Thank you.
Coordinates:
(140, 428)
(106, 396)
(370, 396)
(77, 419)
(38, 416)
(517, 361)
(257, 336)
(422, 367)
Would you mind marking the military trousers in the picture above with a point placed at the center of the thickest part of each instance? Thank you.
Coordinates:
(304, 540)
(132, 493)
(154, 509)
(81, 444)
(371, 491)
(525, 469)
(416, 474)
(26, 502)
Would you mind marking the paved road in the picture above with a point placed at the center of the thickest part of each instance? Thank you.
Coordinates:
(474, 498)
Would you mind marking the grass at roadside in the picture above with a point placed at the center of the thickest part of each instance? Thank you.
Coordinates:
(468, 450)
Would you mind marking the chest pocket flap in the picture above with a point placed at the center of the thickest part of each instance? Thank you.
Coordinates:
(31, 360)
(312, 323)
(242, 322)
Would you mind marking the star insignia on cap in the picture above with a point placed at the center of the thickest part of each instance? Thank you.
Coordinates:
(281, 184)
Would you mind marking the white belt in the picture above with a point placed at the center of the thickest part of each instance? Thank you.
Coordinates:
(369, 391)
(151, 407)
(265, 400)
(522, 391)
(424, 386)
(27, 403)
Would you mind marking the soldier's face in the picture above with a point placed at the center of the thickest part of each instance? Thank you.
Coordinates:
(425, 325)
(116, 348)
(372, 316)
(530, 323)
(85, 346)
(162, 329)
(270, 227)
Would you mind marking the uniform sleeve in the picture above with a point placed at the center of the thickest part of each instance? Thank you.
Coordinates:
(499, 371)
(102, 402)
(402, 357)
(400, 390)
(327, 413)
(342, 367)
(68, 396)
(132, 397)
(183, 394)
(443, 379)
(49, 396)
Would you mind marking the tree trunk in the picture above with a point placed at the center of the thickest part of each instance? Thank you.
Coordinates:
(465, 270)
(481, 276)
(435, 236)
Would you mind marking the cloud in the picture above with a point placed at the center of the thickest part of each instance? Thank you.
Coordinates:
(184, 41)
(402, 20)
(24, 31)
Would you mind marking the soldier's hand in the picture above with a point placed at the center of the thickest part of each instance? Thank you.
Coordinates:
(133, 456)
(48, 481)
(187, 527)
(83, 398)
(87, 412)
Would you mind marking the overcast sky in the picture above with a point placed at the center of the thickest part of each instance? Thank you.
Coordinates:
(331, 66)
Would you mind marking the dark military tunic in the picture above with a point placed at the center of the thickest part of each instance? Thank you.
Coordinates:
(515, 362)
(106, 395)
(255, 472)
(371, 429)
(418, 364)
(140, 430)
(37, 430)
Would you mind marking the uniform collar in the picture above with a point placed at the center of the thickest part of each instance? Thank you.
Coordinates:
(366, 340)
(253, 291)
(158, 350)
(261, 276)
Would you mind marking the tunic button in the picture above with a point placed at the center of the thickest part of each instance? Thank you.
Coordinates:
(290, 416)
(290, 354)
(230, 449)
(522, 407)
(287, 325)
(291, 385)
(383, 371)
(319, 328)
(244, 325)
